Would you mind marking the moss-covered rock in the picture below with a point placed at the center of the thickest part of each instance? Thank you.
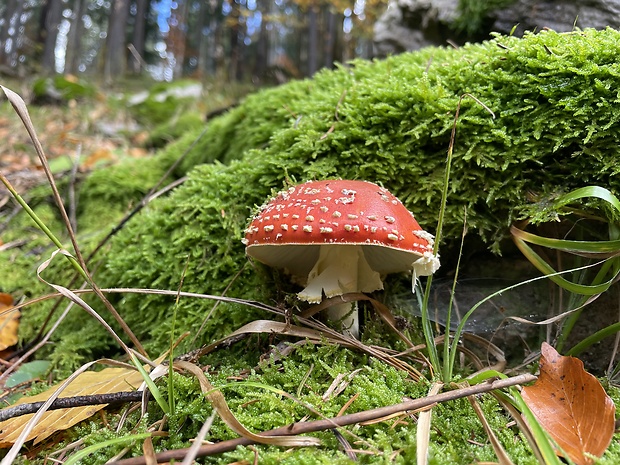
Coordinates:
(61, 89)
(554, 98)
(164, 100)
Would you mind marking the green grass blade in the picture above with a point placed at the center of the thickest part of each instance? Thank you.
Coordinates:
(151, 385)
(78, 456)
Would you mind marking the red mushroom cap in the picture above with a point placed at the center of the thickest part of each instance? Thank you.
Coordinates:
(338, 212)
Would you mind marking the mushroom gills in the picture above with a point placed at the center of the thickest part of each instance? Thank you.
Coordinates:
(340, 269)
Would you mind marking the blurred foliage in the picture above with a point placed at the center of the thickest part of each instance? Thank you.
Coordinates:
(473, 13)
(163, 101)
(62, 88)
(174, 128)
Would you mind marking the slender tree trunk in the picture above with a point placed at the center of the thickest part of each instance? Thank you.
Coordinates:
(313, 40)
(114, 64)
(8, 33)
(262, 47)
(235, 52)
(176, 40)
(52, 14)
(200, 39)
(74, 41)
(139, 37)
(330, 39)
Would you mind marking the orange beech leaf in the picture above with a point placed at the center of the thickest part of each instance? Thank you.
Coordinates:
(9, 322)
(572, 406)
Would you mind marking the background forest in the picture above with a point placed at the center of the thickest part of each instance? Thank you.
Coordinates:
(240, 40)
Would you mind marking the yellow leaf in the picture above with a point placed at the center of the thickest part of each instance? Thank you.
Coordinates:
(107, 381)
(9, 322)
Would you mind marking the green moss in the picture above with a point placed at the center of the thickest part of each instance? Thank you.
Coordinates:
(555, 128)
(306, 373)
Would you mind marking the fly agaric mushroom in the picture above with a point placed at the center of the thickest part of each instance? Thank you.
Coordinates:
(339, 237)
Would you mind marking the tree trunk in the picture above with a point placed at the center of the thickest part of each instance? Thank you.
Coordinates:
(176, 42)
(233, 65)
(136, 58)
(52, 14)
(74, 41)
(330, 39)
(114, 64)
(8, 33)
(313, 41)
(200, 39)
(262, 47)
(216, 62)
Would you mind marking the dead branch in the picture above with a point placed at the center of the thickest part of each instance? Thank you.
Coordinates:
(71, 402)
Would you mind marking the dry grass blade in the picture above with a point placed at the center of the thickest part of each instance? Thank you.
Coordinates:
(218, 402)
(202, 434)
(500, 452)
(318, 333)
(33, 422)
(423, 432)
(77, 300)
(522, 424)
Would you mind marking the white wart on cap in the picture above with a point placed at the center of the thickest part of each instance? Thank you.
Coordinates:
(338, 237)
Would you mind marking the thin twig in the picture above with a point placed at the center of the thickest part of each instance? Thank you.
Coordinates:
(152, 195)
(72, 402)
(71, 190)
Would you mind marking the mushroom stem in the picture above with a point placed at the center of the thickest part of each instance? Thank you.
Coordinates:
(341, 269)
(348, 315)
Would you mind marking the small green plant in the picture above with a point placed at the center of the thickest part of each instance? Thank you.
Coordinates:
(603, 255)
(444, 369)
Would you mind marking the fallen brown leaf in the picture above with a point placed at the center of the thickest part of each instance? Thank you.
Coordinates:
(572, 406)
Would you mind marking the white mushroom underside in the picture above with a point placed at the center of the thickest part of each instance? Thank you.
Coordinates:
(340, 270)
(355, 268)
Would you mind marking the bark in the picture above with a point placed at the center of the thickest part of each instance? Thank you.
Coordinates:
(313, 41)
(52, 12)
(215, 56)
(200, 39)
(8, 33)
(262, 47)
(235, 52)
(74, 41)
(330, 38)
(177, 37)
(114, 64)
(139, 36)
